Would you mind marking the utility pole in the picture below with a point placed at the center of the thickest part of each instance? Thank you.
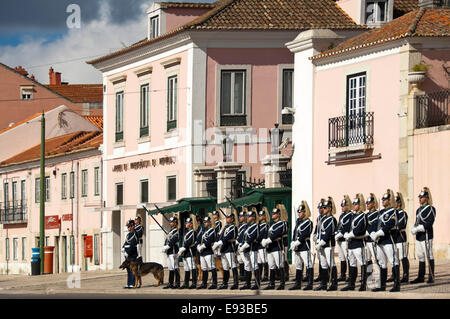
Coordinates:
(42, 195)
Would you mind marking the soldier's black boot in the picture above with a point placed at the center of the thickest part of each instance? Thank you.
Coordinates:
(391, 279)
(257, 280)
(383, 278)
(323, 274)
(305, 278)
(421, 276)
(271, 285)
(194, 279)
(187, 275)
(177, 279)
(309, 278)
(235, 279)
(405, 266)
(204, 280)
(260, 269)
(214, 279)
(431, 276)
(343, 271)
(298, 280)
(334, 284)
(286, 271)
(248, 277)
(352, 273)
(363, 286)
(266, 272)
(226, 276)
(241, 272)
(396, 271)
(170, 284)
(282, 279)
(320, 274)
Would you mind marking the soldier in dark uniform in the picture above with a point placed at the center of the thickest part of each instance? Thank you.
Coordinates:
(171, 250)
(227, 245)
(372, 226)
(217, 222)
(356, 244)
(240, 241)
(187, 251)
(423, 230)
(301, 246)
(386, 249)
(199, 233)
(320, 210)
(129, 250)
(263, 217)
(275, 249)
(249, 249)
(139, 229)
(206, 254)
(342, 229)
(400, 237)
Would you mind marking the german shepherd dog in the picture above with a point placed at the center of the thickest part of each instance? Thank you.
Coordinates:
(217, 262)
(139, 270)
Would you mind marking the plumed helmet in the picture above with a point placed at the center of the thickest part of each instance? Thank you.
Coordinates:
(346, 201)
(251, 213)
(233, 215)
(359, 199)
(329, 202)
(206, 219)
(303, 207)
(130, 223)
(320, 204)
(284, 215)
(426, 193)
(389, 196)
(372, 198)
(195, 220)
(399, 199)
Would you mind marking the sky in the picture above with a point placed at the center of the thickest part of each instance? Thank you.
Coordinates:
(39, 34)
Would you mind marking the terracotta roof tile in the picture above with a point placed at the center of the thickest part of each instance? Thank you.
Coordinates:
(422, 22)
(59, 146)
(21, 122)
(295, 15)
(195, 5)
(79, 92)
(95, 119)
(402, 7)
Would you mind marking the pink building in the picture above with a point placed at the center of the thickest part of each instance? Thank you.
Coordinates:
(204, 71)
(371, 122)
(73, 189)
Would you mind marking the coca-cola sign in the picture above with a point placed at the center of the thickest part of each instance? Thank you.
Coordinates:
(52, 222)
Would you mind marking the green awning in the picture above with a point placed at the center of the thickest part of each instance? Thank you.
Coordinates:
(253, 198)
(191, 204)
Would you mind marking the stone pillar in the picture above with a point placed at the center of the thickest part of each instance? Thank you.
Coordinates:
(202, 174)
(274, 164)
(226, 173)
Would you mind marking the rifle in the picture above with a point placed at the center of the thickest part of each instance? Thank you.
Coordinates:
(428, 254)
(159, 210)
(231, 203)
(143, 206)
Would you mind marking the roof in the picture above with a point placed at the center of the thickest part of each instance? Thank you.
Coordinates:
(60, 145)
(20, 123)
(191, 204)
(192, 5)
(273, 15)
(79, 92)
(422, 22)
(95, 119)
(402, 7)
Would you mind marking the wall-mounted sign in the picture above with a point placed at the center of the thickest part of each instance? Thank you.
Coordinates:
(52, 222)
(67, 217)
(166, 160)
(88, 248)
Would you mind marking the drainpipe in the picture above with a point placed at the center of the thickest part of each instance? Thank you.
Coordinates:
(101, 212)
(78, 204)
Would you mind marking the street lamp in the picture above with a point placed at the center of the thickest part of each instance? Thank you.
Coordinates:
(276, 138)
(227, 148)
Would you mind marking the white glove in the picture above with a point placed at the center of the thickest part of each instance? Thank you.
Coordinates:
(217, 244)
(166, 248)
(338, 235)
(366, 234)
(379, 234)
(244, 247)
(321, 243)
(267, 242)
(201, 247)
(349, 235)
(294, 244)
(181, 251)
(373, 236)
(420, 229)
(414, 230)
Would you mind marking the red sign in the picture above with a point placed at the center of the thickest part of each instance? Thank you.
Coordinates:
(88, 247)
(67, 217)
(52, 222)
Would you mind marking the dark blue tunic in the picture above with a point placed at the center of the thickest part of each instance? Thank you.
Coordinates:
(425, 215)
(302, 232)
(275, 233)
(358, 227)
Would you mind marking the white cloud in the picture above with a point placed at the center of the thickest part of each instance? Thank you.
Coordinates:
(69, 53)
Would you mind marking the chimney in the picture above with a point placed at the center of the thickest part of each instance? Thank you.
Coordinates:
(32, 77)
(54, 77)
(434, 4)
(21, 70)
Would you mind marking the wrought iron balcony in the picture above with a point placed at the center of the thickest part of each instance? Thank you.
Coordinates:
(13, 212)
(344, 131)
(432, 109)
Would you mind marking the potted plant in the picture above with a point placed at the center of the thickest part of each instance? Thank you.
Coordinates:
(417, 75)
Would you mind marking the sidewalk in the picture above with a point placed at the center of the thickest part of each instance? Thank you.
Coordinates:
(111, 282)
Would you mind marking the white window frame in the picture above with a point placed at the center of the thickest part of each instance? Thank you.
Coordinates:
(119, 111)
(376, 11)
(154, 32)
(64, 186)
(26, 93)
(144, 113)
(84, 183)
(167, 187)
(15, 248)
(232, 93)
(172, 97)
(148, 190)
(24, 254)
(37, 189)
(72, 184)
(97, 181)
(47, 188)
(116, 193)
(23, 191)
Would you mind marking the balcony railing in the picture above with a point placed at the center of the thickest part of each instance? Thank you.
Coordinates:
(432, 109)
(13, 212)
(350, 130)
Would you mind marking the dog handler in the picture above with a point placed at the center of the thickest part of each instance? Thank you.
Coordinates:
(129, 250)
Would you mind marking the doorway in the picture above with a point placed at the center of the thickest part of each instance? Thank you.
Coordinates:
(57, 255)
(64, 252)
(116, 233)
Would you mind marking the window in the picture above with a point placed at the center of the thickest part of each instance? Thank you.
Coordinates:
(144, 191)
(24, 245)
(232, 98)
(6, 194)
(26, 93)
(23, 192)
(171, 188)
(37, 190)
(15, 248)
(47, 188)
(172, 100)
(7, 248)
(64, 185)
(356, 105)
(119, 116)
(119, 194)
(72, 250)
(97, 181)
(72, 184)
(144, 114)
(96, 249)
(154, 27)
(84, 182)
(47, 240)
(376, 11)
(287, 94)
(14, 194)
